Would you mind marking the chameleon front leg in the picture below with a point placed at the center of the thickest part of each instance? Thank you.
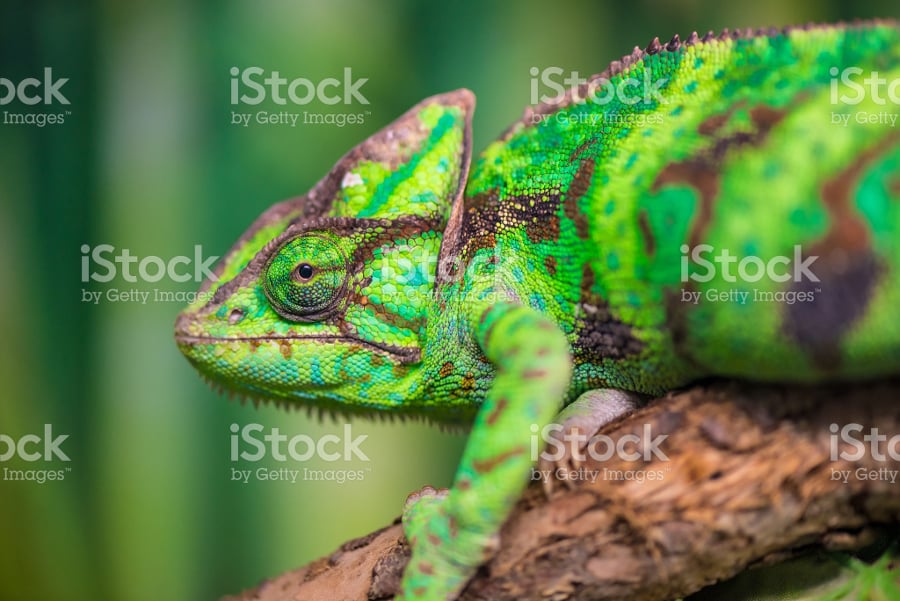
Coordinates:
(454, 532)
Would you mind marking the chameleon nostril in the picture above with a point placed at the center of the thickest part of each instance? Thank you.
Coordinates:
(235, 316)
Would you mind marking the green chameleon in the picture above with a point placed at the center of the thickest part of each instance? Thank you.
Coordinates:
(719, 206)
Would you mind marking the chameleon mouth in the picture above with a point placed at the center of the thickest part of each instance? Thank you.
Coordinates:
(404, 354)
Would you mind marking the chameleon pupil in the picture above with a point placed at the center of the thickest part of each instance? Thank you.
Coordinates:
(305, 271)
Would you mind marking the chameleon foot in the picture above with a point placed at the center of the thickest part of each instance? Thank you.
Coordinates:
(418, 509)
(575, 426)
(443, 557)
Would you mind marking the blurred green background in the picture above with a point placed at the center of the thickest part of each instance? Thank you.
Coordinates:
(148, 160)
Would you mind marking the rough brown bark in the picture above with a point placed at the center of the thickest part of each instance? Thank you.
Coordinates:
(749, 480)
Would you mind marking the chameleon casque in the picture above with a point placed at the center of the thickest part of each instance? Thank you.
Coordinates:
(554, 274)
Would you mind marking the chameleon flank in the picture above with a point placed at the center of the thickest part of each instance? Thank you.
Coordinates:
(741, 221)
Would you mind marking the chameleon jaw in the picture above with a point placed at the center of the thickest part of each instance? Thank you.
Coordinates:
(234, 364)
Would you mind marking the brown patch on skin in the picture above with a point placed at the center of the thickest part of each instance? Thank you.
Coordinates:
(587, 280)
(285, 347)
(384, 314)
(398, 371)
(894, 186)
(376, 361)
(647, 233)
(601, 335)
(765, 117)
(434, 539)
(543, 230)
(848, 231)
(713, 123)
(847, 267)
(464, 484)
(704, 179)
(486, 216)
(446, 369)
(580, 185)
(534, 374)
(480, 221)
(550, 265)
(486, 465)
(254, 344)
(468, 383)
(482, 201)
(676, 318)
(495, 413)
(702, 171)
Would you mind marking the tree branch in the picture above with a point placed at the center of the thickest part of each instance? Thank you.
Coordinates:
(749, 480)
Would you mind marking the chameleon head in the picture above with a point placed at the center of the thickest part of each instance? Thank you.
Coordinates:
(325, 299)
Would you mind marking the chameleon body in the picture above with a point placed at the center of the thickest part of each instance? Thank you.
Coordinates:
(559, 272)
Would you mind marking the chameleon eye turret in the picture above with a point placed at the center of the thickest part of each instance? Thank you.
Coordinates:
(305, 278)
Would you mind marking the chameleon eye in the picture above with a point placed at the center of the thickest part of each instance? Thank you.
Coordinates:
(305, 277)
(304, 271)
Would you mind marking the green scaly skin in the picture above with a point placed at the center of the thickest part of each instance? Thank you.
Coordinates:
(555, 270)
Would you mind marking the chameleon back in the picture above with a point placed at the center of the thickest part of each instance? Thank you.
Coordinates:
(742, 221)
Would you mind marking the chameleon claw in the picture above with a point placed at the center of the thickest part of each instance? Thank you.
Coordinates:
(426, 492)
